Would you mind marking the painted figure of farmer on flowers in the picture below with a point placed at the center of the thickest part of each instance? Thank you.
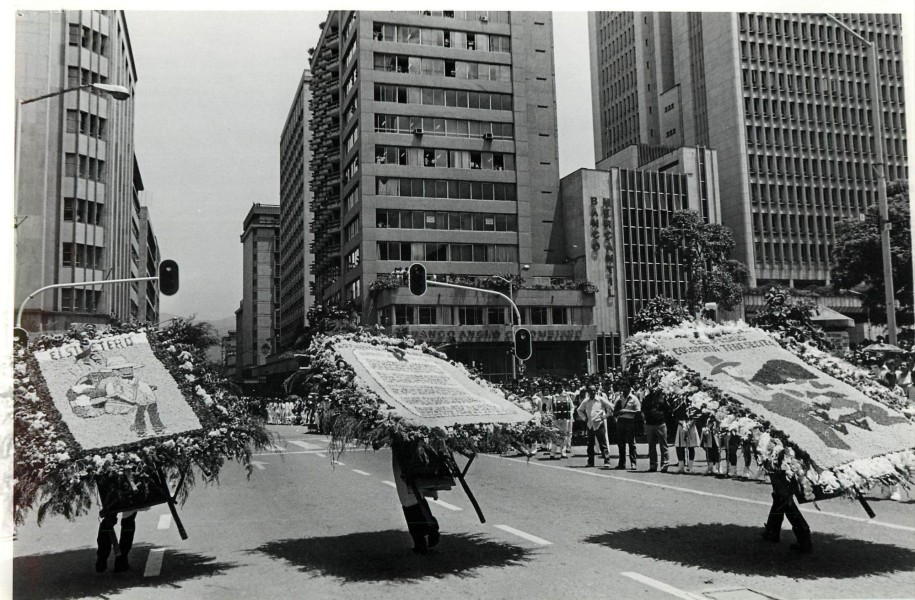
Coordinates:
(124, 390)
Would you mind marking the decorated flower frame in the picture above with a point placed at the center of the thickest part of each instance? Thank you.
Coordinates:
(56, 475)
(356, 416)
(653, 366)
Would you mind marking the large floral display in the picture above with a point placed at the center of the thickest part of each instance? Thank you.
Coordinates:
(822, 421)
(121, 407)
(382, 390)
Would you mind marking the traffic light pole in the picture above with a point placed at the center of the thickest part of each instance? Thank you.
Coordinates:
(517, 313)
(77, 284)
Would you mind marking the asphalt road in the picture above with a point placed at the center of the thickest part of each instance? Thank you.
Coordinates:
(305, 527)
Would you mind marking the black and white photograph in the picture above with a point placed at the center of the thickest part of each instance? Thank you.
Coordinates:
(668, 351)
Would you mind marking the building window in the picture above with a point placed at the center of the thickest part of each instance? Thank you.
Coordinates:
(560, 315)
(496, 316)
(538, 315)
(427, 315)
(470, 315)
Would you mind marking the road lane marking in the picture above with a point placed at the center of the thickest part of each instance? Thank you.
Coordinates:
(809, 511)
(165, 521)
(390, 483)
(521, 534)
(660, 585)
(321, 454)
(338, 463)
(360, 472)
(258, 464)
(444, 504)
(306, 445)
(276, 448)
(290, 453)
(154, 562)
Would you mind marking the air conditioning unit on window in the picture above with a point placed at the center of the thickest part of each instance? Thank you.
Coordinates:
(484, 18)
(418, 131)
(487, 136)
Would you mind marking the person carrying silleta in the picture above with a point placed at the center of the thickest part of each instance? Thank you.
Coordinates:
(783, 506)
(594, 410)
(421, 523)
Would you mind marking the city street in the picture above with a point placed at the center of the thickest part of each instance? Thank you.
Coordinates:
(306, 527)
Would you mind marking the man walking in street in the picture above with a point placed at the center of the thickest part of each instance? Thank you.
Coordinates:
(594, 410)
(656, 410)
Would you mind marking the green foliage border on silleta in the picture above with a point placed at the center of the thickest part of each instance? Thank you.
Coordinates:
(54, 474)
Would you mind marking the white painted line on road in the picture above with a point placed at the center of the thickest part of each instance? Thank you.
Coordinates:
(291, 453)
(810, 511)
(276, 448)
(258, 464)
(306, 445)
(444, 504)
(660, 585)
(321, 454)
(165, 521)
(390, 483)
(360, 472)
(338, 463)
(154, 562)
(521, 534)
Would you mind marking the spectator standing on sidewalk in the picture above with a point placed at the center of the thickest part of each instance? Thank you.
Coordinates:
(656, 409)
(627, 410)
(687, 438)
(561, 406)
(594, 410)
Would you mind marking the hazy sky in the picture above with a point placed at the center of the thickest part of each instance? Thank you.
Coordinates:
(213, 92)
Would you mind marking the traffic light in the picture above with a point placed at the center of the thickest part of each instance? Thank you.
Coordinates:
(523, 347)
(168, 277)
(417, 279)
(20, 336)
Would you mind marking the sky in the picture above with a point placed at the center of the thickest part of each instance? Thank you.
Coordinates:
(213, 93)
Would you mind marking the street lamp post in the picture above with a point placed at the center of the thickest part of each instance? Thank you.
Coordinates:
(880, 155)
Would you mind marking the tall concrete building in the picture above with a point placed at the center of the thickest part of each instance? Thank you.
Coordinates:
(434, 141)
(296, 281)
(256, 324)
(783, 98)
(77, 209)
(148, 260)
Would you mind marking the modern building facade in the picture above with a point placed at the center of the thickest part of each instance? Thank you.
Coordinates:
(613, 218)
(434, 141)
(296, 258)
(785, 101)
(78, 204)
(148, 261)
(257, 326)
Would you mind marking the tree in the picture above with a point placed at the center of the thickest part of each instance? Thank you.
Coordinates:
(704, 250)
(858, 257)
(791, 317)
(659, 313)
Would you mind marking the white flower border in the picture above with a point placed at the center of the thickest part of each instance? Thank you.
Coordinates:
(657, 367)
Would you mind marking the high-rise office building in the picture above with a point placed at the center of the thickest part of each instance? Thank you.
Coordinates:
(256, 326)
(77, 209)
(296, 282)
(434, 141)
(785, 101)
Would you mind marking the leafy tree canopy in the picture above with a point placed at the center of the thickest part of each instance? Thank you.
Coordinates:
(659, 313)
(790, 315)
(704, 250)
(858, 257)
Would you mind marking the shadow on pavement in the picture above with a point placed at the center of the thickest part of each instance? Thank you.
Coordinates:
(386, 556)
(71, 574)
(739, 549)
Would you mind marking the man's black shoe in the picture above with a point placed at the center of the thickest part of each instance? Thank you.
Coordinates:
(590, 463)
(120, 564)
(101, 564)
